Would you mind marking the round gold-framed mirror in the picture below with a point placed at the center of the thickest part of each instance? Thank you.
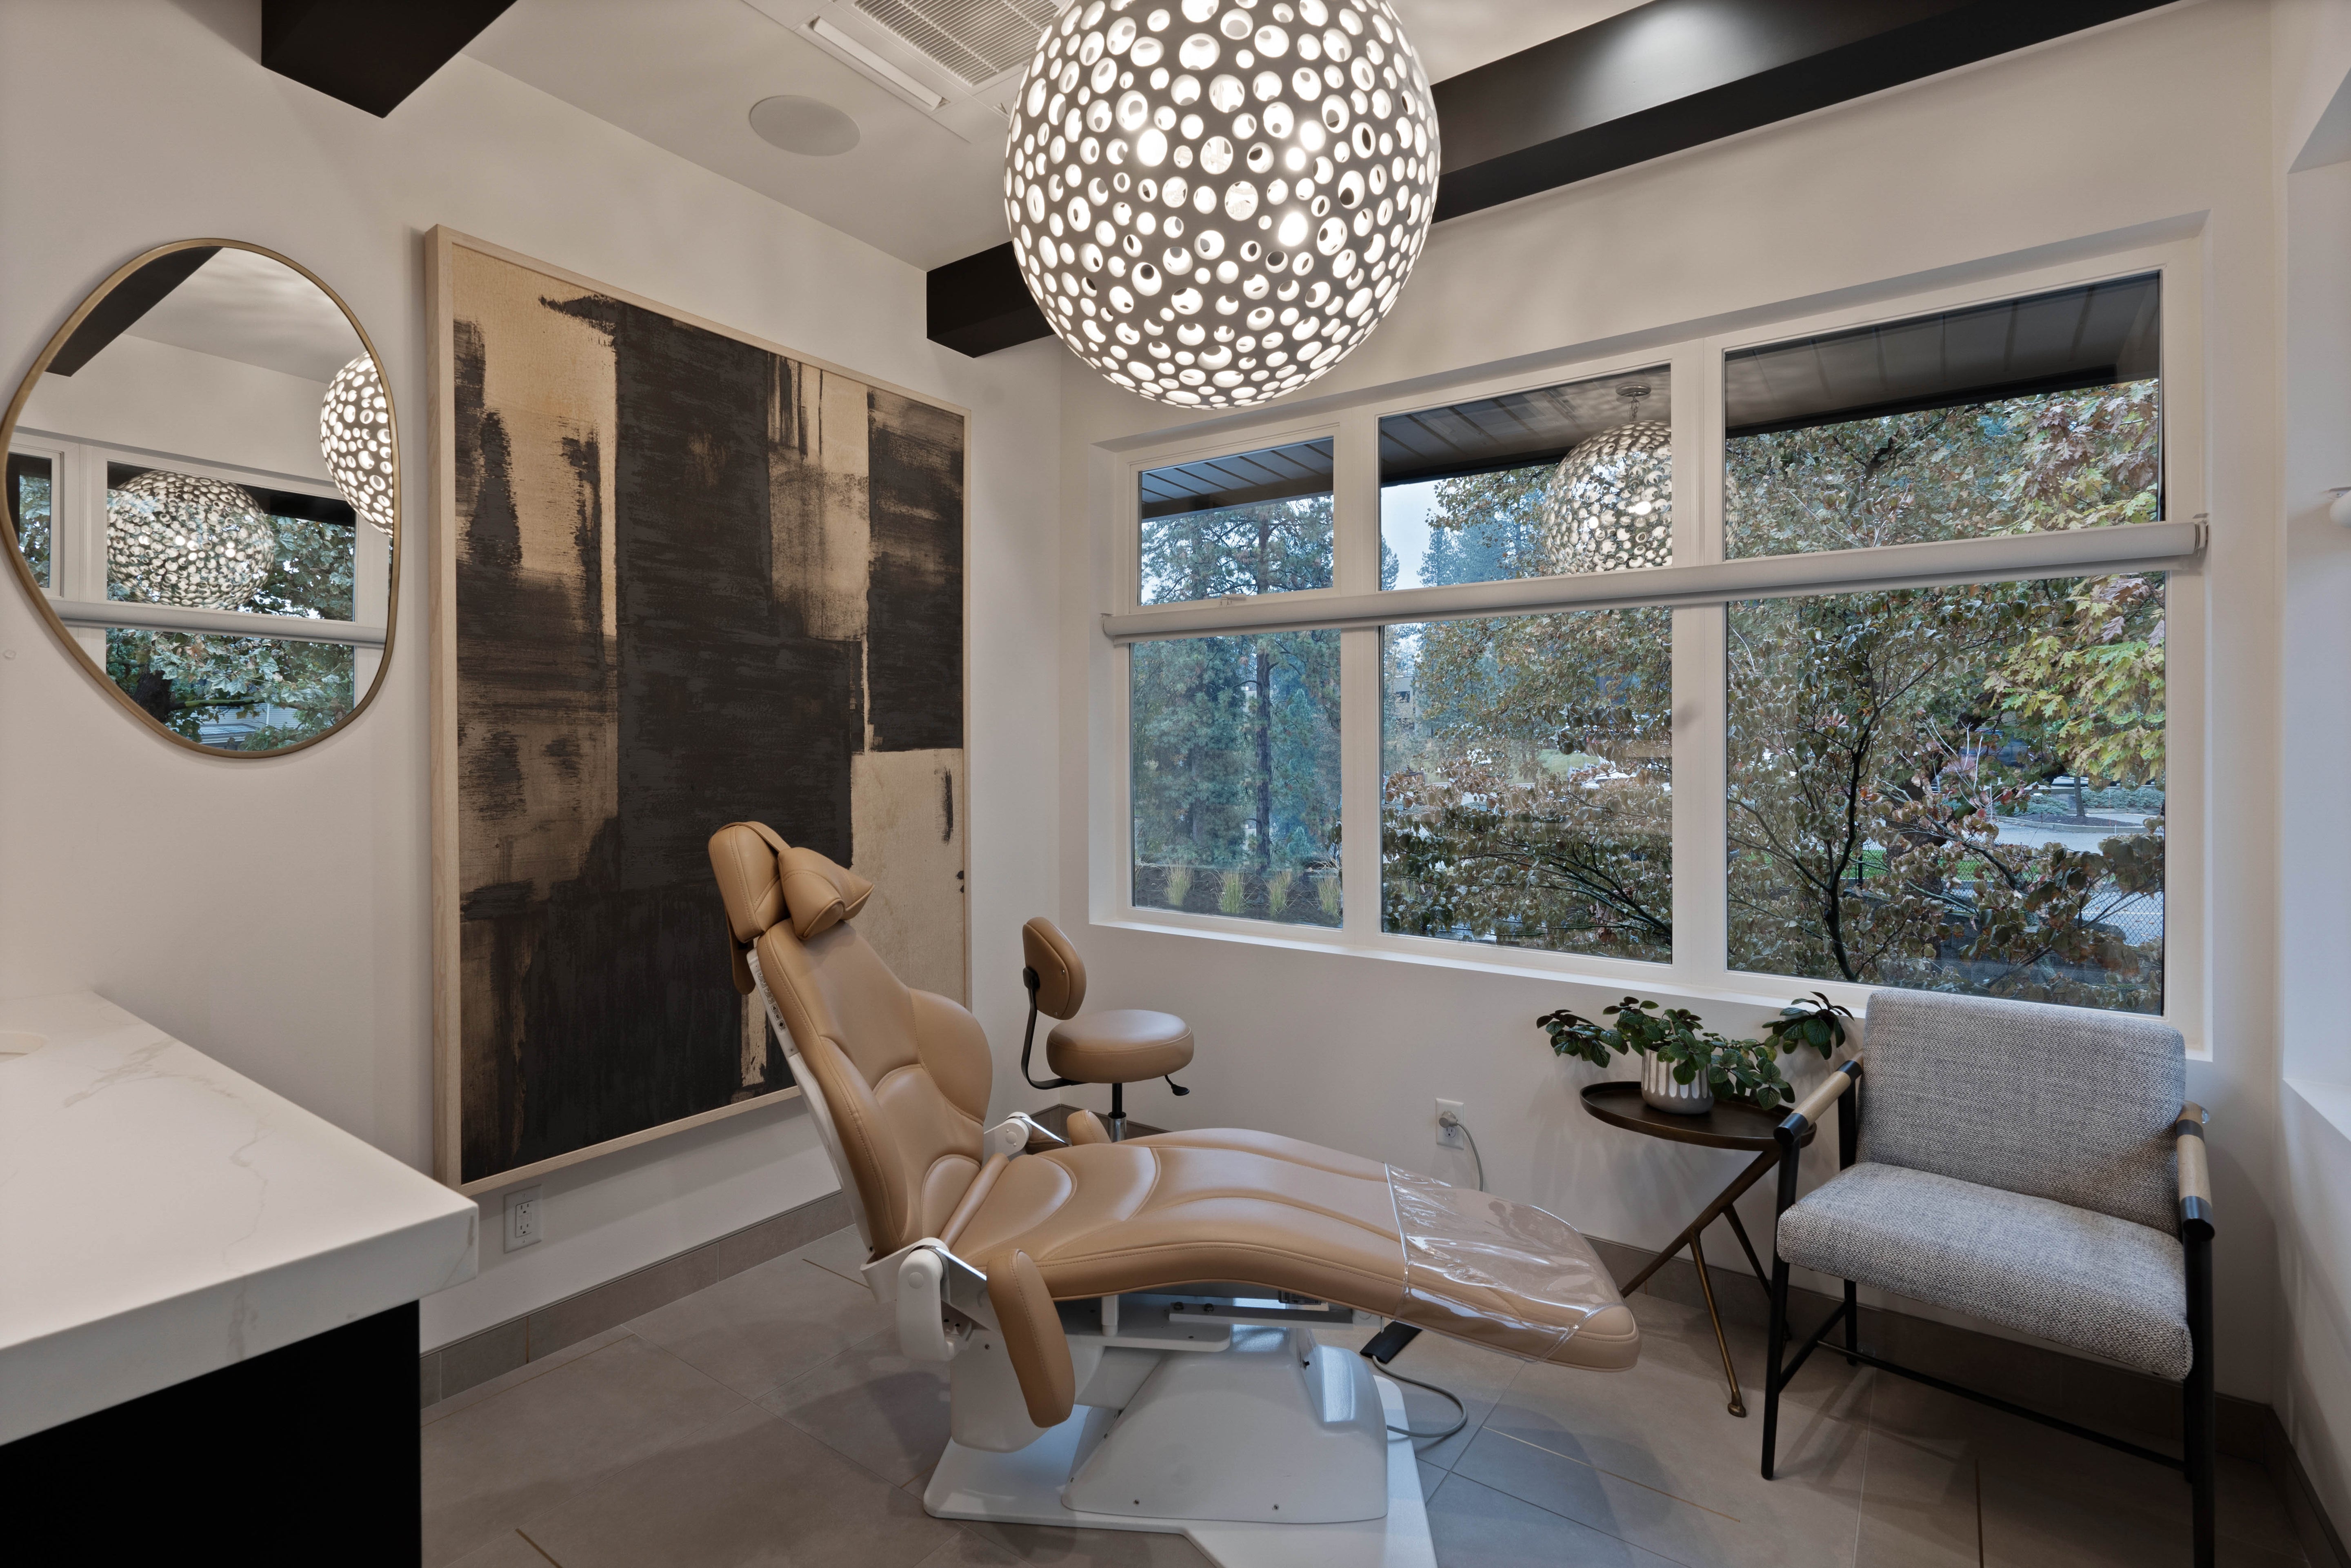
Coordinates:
(203, 498)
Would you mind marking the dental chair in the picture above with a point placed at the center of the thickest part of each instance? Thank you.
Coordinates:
(1118, 1047)
(1260, 1445)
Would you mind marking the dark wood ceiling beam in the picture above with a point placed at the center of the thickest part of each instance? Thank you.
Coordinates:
(1659, 78)
(1676, 74)
(369, 53)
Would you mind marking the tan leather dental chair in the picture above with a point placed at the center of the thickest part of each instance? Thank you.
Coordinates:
(1118, 1047)
(1241, 1435)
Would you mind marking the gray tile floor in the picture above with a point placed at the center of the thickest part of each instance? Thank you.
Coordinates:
(769, 1419)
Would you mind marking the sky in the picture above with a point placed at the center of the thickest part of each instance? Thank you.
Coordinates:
(1403, 526)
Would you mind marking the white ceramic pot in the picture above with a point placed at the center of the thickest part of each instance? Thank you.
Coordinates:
(1658, 1089)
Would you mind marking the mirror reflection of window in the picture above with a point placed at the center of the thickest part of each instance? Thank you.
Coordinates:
(202, 483)
(29, 481)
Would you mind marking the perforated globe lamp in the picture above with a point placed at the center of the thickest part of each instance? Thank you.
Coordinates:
(1609, 505)
(355, 438)
(177, 539)
(1215, 200)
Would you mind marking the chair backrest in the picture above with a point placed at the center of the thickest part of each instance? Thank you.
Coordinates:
(2058, 1102)
(1061, 973)
(903, 1074)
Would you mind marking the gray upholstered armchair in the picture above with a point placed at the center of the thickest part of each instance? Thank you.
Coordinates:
(2032, 1166)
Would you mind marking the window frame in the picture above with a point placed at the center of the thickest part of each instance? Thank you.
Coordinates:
(1700, 969)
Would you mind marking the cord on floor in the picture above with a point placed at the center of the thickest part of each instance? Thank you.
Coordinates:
(1415, 1433)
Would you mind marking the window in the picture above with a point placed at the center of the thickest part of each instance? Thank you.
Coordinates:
(1482, 491)
(1898, 623)
(196, 668)
(1955, 789)
(1526, 792)
(1257, 522)
(2025, 414)
(1235, 786)
(30, 478)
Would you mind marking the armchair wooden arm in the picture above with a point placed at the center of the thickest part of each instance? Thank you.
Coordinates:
(2195, 1169)
(1843, 1078)
(1813, 1106)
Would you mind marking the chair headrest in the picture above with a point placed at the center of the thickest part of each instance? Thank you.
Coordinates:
(764, 882)
(820, 894)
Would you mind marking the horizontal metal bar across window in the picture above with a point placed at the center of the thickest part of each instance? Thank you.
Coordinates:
(2131, 547)
(137, 617)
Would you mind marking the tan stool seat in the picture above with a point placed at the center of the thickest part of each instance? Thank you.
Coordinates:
(1123, 1046)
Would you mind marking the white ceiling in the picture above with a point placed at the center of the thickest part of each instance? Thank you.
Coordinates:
(242, 306)
(684, 75)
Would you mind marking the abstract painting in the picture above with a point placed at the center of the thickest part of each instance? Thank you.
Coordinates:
(685, 579)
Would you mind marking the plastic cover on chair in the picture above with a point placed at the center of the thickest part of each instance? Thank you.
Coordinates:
(1505, 1275)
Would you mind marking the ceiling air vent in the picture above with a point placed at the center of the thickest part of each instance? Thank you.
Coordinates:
(978, 40)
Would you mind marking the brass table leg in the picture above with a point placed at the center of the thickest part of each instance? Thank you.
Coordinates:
(1706, 1288)
(1707, 1215)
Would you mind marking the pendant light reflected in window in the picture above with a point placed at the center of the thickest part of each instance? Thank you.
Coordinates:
(1610, 503)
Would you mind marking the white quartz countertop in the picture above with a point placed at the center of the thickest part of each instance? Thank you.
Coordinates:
(162, 1217)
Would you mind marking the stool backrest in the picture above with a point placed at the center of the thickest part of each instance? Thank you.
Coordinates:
(1061, 973)
(2065, 1103)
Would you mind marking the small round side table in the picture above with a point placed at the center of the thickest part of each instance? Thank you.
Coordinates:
(1730, 1125)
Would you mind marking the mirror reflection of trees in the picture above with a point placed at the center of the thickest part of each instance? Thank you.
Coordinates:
(253, 694)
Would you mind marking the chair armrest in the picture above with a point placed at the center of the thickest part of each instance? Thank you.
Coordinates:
(2195, 1169)
(1813, 1106)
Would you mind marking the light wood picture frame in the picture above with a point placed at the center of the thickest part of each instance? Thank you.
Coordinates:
(680, 576)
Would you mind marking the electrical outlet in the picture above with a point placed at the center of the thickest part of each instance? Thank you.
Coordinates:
(1449, 1137)
(523, 1210)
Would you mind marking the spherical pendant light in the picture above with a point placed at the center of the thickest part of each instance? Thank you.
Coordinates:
(1215, 200)
(175, 539)
(1610, 503)
(355, 437)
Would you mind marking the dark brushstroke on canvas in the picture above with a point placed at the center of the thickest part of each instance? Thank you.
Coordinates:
(914, 607)
(608, 1006)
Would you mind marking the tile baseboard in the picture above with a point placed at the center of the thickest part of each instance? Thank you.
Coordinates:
(495, 1351)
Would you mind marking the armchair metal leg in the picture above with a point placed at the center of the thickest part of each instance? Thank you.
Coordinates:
(1852, 1321)
(1774, 1350)
(2199, 1423)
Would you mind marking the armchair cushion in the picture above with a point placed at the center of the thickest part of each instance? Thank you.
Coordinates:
(2065, 1104)
(2082, 1279)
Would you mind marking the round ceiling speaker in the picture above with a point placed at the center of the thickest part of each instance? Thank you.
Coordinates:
(1216, 201)
(808, 126)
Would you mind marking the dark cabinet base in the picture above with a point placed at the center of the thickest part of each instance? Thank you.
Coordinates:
(305, 1454)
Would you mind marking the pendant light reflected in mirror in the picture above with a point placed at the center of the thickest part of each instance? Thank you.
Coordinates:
(355, 438)
(203, 498)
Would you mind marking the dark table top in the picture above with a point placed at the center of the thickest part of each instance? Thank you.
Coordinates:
(1729, 1125)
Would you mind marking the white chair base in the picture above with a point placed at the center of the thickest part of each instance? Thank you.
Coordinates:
(1028, 1485)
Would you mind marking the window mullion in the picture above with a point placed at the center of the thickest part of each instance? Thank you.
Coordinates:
(1700, 921)
(1360, 713)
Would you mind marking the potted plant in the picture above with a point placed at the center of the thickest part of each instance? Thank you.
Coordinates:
(1685, 1066)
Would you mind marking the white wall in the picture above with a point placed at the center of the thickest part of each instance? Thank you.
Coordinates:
(274, 913)
(2154, 128)
(163, 398)
(2313, 56)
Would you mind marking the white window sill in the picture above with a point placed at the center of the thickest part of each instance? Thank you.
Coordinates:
(1655, 982)
(1644, 979)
